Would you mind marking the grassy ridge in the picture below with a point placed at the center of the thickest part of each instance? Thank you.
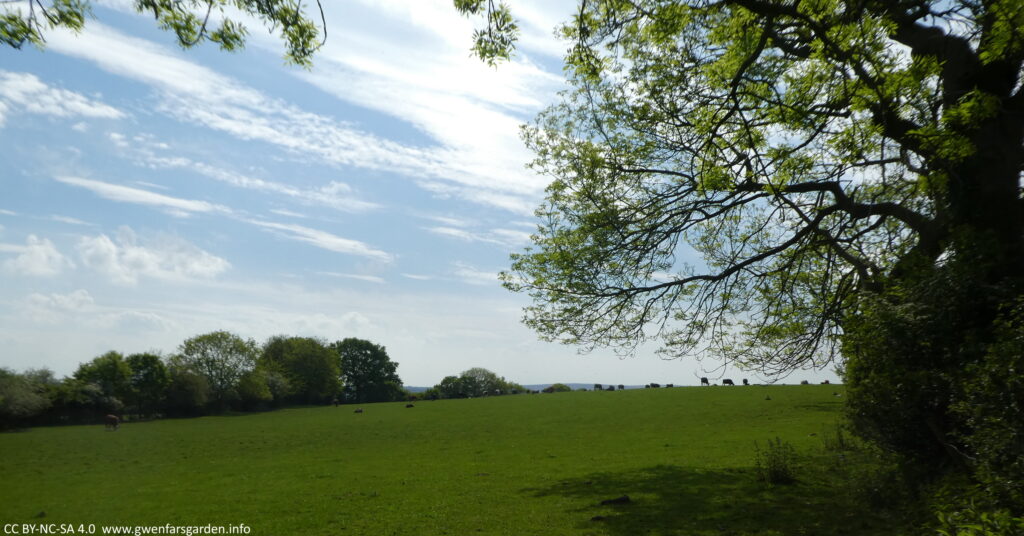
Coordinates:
(523, 464)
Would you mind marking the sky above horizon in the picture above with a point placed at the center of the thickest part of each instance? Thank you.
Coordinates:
(152, 194)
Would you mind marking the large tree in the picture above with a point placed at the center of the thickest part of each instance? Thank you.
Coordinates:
(192, 21)
(848, 174)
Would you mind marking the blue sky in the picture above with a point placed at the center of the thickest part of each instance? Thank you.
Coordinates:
(151, 194)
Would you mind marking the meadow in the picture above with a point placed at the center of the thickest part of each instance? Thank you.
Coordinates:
(526, 464)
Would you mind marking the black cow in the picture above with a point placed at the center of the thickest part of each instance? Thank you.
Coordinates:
(358, 410)
(409, 405)
(745, 382)
(727, 381)
(704, 381)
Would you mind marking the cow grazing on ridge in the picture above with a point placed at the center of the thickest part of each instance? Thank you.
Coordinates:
(704, 381)
(727, 381)
(111, 422)
(745, 382)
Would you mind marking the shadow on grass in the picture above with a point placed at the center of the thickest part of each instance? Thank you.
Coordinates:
(676, 500)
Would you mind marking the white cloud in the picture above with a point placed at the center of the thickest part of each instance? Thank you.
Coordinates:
(125, 194)
(124, 260)
(6, 212)
(418, 277)
(473, 276)
(26, 93)
(38, 258)
(323, 240)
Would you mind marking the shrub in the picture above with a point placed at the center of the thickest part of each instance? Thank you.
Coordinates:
(776, 464)
(972, 521)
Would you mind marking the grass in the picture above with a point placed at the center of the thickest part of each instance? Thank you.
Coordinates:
(527, 464)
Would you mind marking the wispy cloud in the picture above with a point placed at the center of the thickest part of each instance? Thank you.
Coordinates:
(323, 240)
(126, 194)
(24, 92)
(334, 194)
(53, 307)
(358, 277)
(126, 258)
(475, 154)
(69, 220)
(6, 212)
(473, 276)
(503, 237)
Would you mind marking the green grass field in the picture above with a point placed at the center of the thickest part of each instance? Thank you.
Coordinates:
(527, 464)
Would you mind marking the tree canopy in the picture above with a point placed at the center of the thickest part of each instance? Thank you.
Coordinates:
(192, 21)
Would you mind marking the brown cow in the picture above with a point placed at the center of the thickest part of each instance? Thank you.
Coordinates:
(112, 422)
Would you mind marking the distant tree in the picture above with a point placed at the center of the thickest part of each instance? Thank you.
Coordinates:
(21, 398)
(112, 374)
(621, 387)
(222, 358)
(310, 366)
(22, 22)
(148, 382)
(598, 387)
(367, 373)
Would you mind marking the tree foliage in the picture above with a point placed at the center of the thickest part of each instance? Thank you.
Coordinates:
(192, 21)
(148, 382)
(20, 398)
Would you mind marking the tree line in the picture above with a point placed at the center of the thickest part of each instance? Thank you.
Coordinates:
(209, 373)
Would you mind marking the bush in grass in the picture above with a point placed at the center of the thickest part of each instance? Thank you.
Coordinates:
(776, 464)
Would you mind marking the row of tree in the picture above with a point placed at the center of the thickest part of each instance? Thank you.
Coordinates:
(209, 373)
